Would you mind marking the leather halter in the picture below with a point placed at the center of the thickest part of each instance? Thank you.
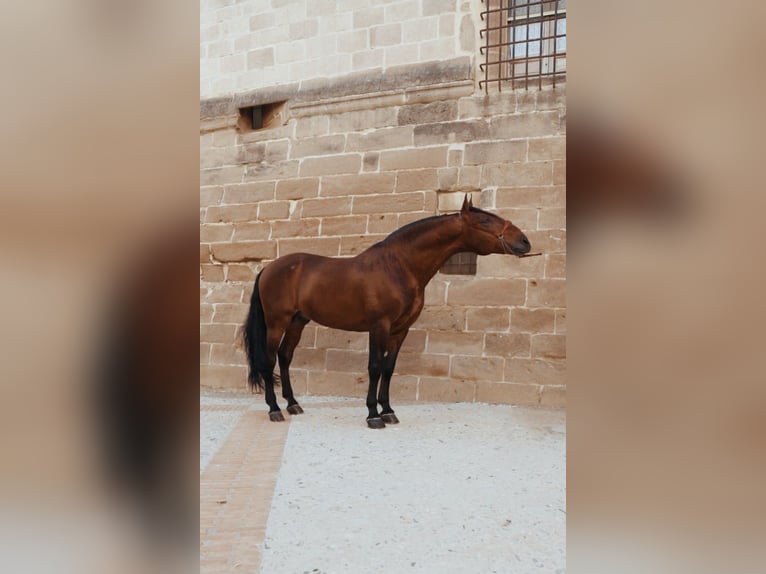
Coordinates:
(503, 242)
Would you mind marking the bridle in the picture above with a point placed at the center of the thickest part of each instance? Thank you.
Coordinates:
(503, 242)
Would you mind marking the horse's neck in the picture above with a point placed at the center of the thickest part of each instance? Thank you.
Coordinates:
(423, 253)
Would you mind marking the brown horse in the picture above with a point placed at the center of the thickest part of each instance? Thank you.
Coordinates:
(380, 291)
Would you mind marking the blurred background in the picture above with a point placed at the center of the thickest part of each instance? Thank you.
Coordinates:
(666, 379)
(98, 297)
(98, 367)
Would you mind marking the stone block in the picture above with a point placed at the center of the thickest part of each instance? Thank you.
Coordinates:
(443, 111)
(470, 368)
(532, 320)
(548, 148)
(230, 312)
(481, 153)
(309, 359)
(364, 119)
(310, 126)
(370, 161)
(299, 188)
(329, 165)
(244, 251)
(416, 180)
(298, 228)
(493, 292)
(385, 35)
(484, 319)
(249, 231)
(215, 232)
(347, 361)
(554, 396)
(330, 206)
(361, 184)
(546, 293)
(388, 203)
(318, 146)
(555, 266)
(383, 138)
(217, 333)
(210, 196)
(532, 174)
(454, 342)
(536, 197)
(271, 210)
(336, 339)
(535, 371)
(223, 376)
(344, 225)
(442, 318)
(561, 321)
(524, 125)
(507, 345)
(553, 218)
(226, 354)
(327, 246)
(232, 213)
(450, 132)
(334, 383)
(422, 364)
(248, 192)
(212, 273)
(549, 347)
(414, 158)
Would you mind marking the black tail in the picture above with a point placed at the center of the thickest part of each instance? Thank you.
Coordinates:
(255, 341)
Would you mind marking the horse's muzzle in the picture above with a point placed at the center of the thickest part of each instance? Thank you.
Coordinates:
(518, 247)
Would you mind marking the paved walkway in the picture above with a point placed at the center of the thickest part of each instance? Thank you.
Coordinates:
(453, 488)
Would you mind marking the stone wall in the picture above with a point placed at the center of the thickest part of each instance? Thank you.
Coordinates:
(357, 157)
(252, 44)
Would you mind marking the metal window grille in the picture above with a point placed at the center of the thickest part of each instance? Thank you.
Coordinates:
(524, 43)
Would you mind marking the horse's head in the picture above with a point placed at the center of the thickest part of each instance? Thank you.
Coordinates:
(487, 233)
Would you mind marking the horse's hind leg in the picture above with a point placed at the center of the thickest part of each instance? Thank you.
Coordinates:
(285, 357)
(274, 337)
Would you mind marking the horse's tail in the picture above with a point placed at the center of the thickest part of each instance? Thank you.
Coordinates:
(255, 341)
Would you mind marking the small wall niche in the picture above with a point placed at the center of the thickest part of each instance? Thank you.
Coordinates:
(261, 117)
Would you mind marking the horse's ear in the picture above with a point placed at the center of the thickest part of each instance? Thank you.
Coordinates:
(467, 204)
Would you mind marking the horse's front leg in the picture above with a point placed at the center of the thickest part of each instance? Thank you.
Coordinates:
(389, 364)
(378, 342)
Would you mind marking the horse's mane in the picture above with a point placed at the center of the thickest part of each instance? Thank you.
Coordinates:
(408, 229)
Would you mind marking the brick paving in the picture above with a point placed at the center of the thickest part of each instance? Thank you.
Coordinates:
(236, 489)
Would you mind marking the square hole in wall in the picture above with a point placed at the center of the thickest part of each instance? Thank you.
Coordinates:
(463, 263)
(261, 117)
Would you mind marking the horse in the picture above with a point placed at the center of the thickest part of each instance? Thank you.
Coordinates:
(379, 291)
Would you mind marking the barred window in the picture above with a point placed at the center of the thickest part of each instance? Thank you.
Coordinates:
(524, 43)
(463, 263)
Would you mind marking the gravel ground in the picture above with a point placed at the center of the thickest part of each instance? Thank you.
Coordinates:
(454, 488)
(465, 488)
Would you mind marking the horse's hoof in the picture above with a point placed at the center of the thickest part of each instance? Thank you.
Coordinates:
(295, 409)
(389, 418)
(376, 423)
(276, 416)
